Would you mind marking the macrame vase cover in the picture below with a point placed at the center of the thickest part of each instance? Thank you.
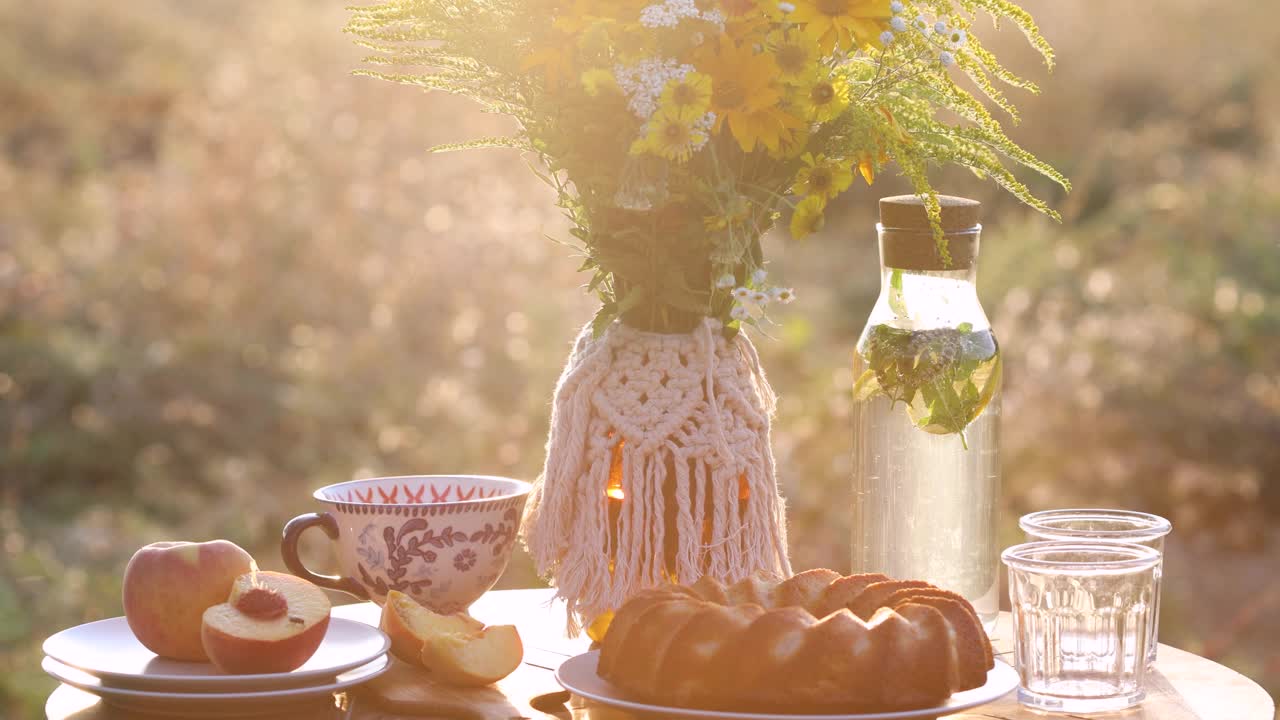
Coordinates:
(644, 406)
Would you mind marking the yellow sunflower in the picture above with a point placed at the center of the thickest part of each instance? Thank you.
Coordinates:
(690, 94)
(822, 177)
(822, 95)
(843, 24)
(807, 218)
(672, 134)
(796, 53)
(745, 96)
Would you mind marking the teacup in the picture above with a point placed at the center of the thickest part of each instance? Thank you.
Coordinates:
(441, 539)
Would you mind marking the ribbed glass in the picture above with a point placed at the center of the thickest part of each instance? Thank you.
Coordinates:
(1101, 525)
(1082, 613)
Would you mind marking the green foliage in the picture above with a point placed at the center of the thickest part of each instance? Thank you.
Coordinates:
(666, 227)
(944, 377)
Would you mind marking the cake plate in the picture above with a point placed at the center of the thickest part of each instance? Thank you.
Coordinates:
(578, 676)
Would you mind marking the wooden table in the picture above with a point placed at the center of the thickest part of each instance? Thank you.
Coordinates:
(1182, 686)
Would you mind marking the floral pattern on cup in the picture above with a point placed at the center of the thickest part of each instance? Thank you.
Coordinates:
(465, 560)
(417, 539)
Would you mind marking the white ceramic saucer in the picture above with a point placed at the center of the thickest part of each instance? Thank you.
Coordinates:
(108, 651)
(578, 676)
(214, 704)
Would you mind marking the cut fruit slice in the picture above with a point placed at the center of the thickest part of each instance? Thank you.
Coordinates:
(409, 624)
(271, 623)
(476, 659)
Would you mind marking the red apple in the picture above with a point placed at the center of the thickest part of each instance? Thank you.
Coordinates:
(168, 586)
(271, 623)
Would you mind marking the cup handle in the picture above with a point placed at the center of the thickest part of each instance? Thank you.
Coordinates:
(289, 549)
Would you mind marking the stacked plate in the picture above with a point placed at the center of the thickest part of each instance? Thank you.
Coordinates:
(104, 658)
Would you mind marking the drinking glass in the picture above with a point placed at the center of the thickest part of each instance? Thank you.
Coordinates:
(1082, 613)
(1098, 525)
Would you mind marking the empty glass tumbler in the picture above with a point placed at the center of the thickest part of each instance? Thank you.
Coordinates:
(1082, 613)
(1099, 525)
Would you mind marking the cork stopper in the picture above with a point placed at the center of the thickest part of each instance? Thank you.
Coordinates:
(906, 238)
(907, 212)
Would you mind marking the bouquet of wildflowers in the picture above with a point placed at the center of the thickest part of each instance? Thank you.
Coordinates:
(677, 132)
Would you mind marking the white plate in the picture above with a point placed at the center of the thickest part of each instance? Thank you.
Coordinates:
(215, 704)
(108, 650)
(578, 676)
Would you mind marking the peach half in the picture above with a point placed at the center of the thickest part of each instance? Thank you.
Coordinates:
(271, 623)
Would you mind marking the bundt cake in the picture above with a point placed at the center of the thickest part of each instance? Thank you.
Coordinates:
(817, 642)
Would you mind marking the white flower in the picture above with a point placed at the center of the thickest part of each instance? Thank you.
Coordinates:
(946, 58)
(898, 24)
(922, 23)
(725, 281)
(761, 298)
(645, 81)
(940, 28)
(741, 294)
(757, 277)
(886, 37)
(784, 295)
(895, 7)
(705, 122)
(658, 16)
(787, 7)
(958, 38)
(739, 312)
(668, 13)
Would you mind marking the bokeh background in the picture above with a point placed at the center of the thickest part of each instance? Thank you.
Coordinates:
(230, 273)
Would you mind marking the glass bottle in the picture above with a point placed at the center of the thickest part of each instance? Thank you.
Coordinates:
(926, 465)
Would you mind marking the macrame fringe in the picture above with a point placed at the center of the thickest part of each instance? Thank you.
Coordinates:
(696, 404)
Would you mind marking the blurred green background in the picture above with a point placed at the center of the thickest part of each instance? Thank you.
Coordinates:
(229, 273)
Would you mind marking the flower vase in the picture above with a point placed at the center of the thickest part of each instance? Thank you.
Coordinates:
(658, 468)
